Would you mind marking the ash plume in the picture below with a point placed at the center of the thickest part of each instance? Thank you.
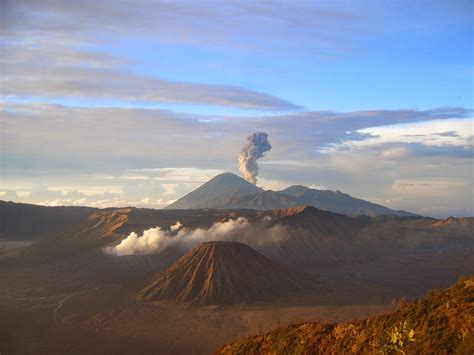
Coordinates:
(257, 145)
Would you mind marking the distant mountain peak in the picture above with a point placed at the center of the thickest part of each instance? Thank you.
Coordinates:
(228, 176)
(229, 191)
(216, 193)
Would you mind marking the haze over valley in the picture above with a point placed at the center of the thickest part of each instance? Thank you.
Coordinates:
(138, 276)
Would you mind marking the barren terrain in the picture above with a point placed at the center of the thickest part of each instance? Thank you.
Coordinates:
(60, 293)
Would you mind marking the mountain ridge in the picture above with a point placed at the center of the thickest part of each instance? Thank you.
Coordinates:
(229, 191)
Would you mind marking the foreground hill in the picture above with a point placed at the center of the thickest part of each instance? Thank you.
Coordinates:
(226, 273)
(441, 323)
(229, 191)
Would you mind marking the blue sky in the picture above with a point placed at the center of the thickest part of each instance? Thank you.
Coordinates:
(141, 101)
(415, 61)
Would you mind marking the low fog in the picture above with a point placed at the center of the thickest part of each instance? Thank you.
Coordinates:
(155, 240)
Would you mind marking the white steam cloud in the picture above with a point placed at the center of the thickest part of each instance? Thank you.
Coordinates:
(155, 240)
(257, 145)
(176, 227)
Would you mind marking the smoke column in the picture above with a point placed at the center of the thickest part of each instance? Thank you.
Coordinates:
(257, 145)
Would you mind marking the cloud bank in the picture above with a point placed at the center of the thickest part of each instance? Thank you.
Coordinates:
(321, 28)
(59, 74)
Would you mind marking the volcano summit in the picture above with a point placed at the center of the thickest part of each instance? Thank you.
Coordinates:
(226, 273)
(229, 191)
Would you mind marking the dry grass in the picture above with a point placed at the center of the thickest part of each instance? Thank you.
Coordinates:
(443, 323)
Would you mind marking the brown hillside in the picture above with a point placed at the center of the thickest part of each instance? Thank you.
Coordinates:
(464, 222)
(95, 231)
(226, 273)
(285, 212)
(316, 236)
(21, 221)
(442, 323)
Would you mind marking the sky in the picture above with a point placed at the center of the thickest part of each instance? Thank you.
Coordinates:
(136, 103)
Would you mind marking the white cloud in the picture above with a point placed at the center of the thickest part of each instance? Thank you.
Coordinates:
(320, 28)
(318, 187)
(176, 174)
(51, 51)
(106, 203)
(9, 195)
(443, 132)
(155, 240)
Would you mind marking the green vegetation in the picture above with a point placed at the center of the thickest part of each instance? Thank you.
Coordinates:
(441, 323)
